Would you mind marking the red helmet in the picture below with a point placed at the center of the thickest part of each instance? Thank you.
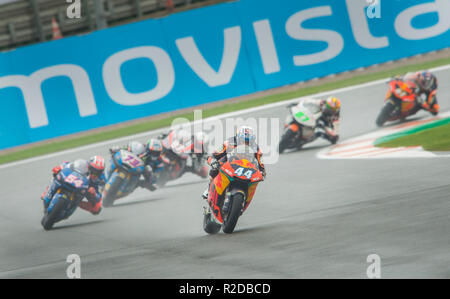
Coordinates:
(96, 165)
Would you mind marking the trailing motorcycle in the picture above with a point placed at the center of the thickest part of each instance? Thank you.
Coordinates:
(178, 159)
(126, 169)
(72, 187)
(231, 191)
(400, 102)
(299, 126)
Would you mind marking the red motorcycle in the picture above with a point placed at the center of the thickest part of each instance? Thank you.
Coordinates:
(180, 158)
(231, 191)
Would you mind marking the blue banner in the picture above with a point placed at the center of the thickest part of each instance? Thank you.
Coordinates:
(201, 56)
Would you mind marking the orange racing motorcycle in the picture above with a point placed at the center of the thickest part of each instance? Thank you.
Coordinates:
(235, 185)
(400, 102)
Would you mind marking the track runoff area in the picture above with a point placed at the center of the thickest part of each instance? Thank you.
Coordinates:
(310, 218)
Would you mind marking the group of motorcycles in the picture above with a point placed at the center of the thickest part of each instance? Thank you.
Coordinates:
(124, 175)
(233, 189)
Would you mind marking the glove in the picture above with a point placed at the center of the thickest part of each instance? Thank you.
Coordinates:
(421, 99)
(56, 170)
(91, 193)
(215, 165)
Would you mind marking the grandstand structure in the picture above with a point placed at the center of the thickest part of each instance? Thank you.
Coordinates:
(25, 22)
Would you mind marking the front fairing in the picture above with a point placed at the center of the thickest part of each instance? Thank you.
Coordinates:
(129, 162)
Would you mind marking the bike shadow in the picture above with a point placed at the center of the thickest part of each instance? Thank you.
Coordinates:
(304, 149)
(136, 202)
(405, 121)
(66, 226)
(202, 181)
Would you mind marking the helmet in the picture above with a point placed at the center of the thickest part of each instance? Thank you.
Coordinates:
(245, 135)
(426, 81)
(96, 166)
(154, 147)
(332, 105)
(80, 166)
(136, 148)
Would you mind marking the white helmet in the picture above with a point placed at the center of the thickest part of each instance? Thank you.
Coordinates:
(81, 166)
(136, 148)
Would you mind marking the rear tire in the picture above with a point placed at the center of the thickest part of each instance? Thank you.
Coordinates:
(385, 114)
(209, 226)
(237, 203)
(110, 194)
(50, 219)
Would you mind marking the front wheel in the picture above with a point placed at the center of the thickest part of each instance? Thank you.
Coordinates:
(210, 226)
(110, 193)
(237, 203)
(286, 141)
(385, 114)
(54, 216)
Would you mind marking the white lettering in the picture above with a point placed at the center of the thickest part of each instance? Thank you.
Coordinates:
(113, 79)
(295, 30)
(193, 57)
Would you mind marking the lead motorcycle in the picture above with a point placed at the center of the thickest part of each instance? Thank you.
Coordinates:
(299, 126)
(233, 188)
(400, 102)
(71, 191)
(126, 170)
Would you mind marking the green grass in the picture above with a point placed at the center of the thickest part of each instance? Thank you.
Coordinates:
(55, 146)
(434, 139)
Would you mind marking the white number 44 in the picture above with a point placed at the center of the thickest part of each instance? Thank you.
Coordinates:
(240, 172)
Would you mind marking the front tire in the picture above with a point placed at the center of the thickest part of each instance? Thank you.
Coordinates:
(110, 194)
(286, 141)
(209, 226)
(235, 211)
(50, 219)
(385, 114)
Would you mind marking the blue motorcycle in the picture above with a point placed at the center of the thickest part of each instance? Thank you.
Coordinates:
(71, 189)
(126, 169)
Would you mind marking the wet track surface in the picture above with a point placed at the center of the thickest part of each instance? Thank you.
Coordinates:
(310, 218)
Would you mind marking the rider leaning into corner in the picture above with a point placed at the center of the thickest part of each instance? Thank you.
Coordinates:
(327, 124)
(94, 171)
(424, 87)
(143, 152)
(196, 145)
(244, 136)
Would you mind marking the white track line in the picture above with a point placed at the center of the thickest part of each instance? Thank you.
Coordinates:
(362, 147)
(209, 119)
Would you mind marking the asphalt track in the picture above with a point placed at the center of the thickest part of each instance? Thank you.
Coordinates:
(310, 218)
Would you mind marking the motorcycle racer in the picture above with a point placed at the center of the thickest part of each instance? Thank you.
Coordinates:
(426, 85)
(93, 170)
(327, 124)
(244, 136)
(141, 151)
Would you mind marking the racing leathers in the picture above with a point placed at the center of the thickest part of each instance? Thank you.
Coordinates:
(327, 124)
(220, 156)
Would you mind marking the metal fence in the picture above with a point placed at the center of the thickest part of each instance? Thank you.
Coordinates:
(29, 21)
